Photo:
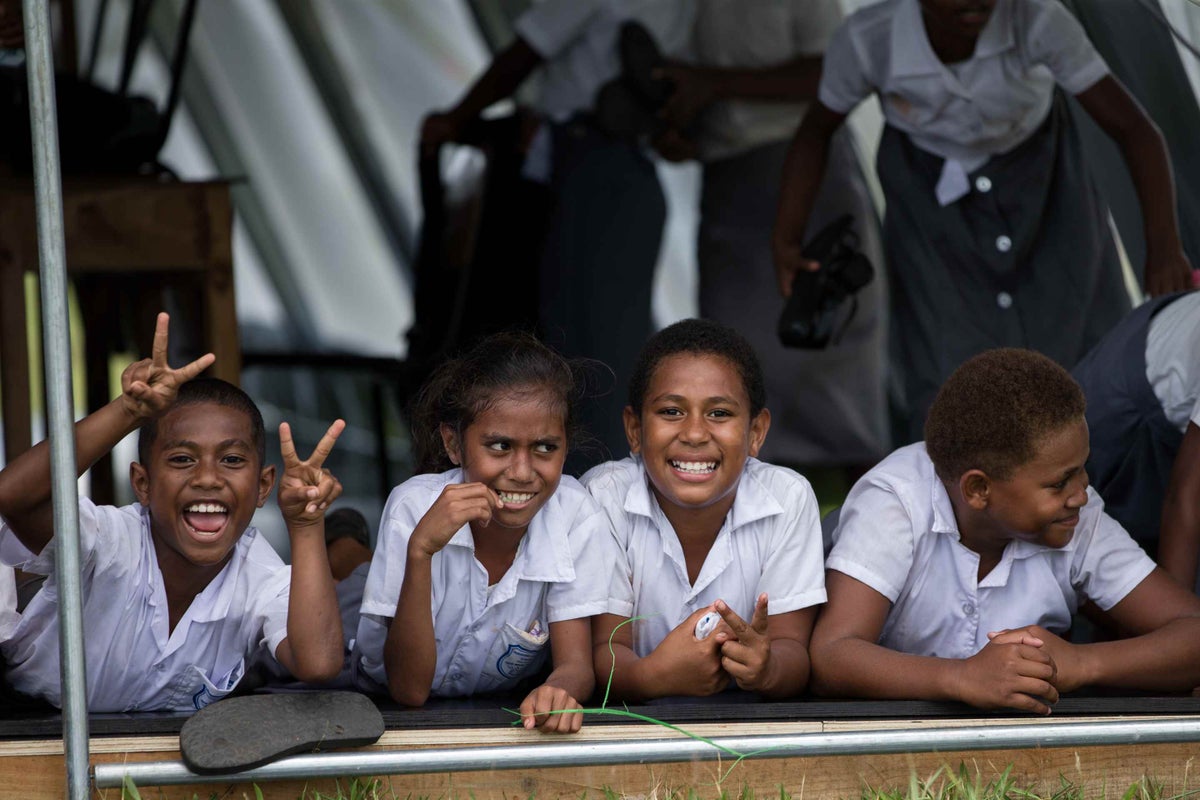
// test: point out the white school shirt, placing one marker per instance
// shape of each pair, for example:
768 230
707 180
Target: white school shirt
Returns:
770 542
1173 360
133 662
8 603
756 33
897 534
970 111
488 638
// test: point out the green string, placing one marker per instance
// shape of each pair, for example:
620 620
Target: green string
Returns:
604 710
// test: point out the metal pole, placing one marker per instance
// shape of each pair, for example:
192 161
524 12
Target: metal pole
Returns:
657 751
56 338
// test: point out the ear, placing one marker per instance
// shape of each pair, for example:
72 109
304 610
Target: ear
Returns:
139 479
633 429
451 443
975 487
758 431
266 480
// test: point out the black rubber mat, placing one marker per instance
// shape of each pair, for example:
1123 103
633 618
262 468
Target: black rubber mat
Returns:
44 722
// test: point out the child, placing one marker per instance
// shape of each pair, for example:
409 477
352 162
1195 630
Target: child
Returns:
496 554
958 562
703 526
1142 383
179 592
992 219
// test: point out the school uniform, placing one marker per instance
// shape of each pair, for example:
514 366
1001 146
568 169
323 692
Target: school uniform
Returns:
134 662
769 542
827 406
8 603
995 233
898 535
488 638
1142 383
607 207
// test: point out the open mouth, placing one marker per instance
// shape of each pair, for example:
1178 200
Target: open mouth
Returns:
694 467
515 498
206 520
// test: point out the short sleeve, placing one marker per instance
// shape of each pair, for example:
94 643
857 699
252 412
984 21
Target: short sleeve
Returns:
1058 41
551 26
844 83
1195 418
874 540
1108 563
270 608
8 603
793 574
386 574
110 538
814 22
598 573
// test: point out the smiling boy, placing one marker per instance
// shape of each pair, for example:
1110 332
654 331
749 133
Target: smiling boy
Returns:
704 526
179 592
959 562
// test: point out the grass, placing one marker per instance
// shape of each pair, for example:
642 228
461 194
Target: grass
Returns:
946 783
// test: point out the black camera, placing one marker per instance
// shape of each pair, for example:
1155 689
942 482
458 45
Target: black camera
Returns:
823 301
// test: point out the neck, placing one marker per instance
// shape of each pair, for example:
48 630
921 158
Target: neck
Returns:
183 580
978 533
497 541
696 525
948 45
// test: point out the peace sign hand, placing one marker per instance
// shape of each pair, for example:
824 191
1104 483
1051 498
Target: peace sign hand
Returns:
149 386
746 653
306 488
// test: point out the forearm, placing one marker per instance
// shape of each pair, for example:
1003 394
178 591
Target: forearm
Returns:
1149 164
624 676
802 174
857 668
787 671
507 71
25 483
314 629
410 653
576 678
1167 659
793 81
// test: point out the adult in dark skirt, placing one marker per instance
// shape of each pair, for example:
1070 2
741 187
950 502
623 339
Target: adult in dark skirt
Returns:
994 232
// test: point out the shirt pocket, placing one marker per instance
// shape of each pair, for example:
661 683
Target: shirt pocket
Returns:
517 653
200 690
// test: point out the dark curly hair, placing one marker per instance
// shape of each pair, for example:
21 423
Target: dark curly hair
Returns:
699 337
991 413
210 390
496 367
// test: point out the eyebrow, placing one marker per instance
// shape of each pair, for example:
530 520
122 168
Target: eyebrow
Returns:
715 399
195 446
504 437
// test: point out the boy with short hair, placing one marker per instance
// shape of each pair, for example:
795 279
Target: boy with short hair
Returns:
958 562
179 592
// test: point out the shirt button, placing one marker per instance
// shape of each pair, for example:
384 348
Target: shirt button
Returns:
160 667
1004 300
457 676
983 183
1003 244
969 609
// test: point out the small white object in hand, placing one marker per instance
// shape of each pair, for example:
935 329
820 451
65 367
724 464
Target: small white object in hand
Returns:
707 624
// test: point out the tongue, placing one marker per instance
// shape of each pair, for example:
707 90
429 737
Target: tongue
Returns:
205 523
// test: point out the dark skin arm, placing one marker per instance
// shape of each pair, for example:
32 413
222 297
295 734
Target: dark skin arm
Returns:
802 172
1122 118
1011 671
1179 534
507 71
768 655
148 389
1163 653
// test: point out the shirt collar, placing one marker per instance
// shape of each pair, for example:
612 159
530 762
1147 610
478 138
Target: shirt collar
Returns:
913 55
752 502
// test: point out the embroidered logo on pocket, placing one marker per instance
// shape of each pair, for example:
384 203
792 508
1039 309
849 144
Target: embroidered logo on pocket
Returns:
516 660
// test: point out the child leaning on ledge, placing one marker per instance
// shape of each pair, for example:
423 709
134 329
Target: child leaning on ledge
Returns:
958 562
179 592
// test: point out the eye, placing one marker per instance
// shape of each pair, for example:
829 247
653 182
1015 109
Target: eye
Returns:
545 448
670 412
720 413
234 459
1058 487
179 459
498 447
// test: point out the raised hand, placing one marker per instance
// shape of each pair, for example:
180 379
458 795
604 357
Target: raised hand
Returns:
550 698
149 386
458 504
1013 670
745 648
307 488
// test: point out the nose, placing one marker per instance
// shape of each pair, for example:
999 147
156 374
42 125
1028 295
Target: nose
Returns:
206 473
520 469
694 431
1079 497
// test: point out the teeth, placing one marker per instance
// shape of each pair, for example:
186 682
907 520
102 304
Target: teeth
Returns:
697 467
206 508
515 497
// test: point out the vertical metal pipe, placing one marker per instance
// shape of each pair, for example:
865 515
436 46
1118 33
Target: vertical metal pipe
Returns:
57 346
